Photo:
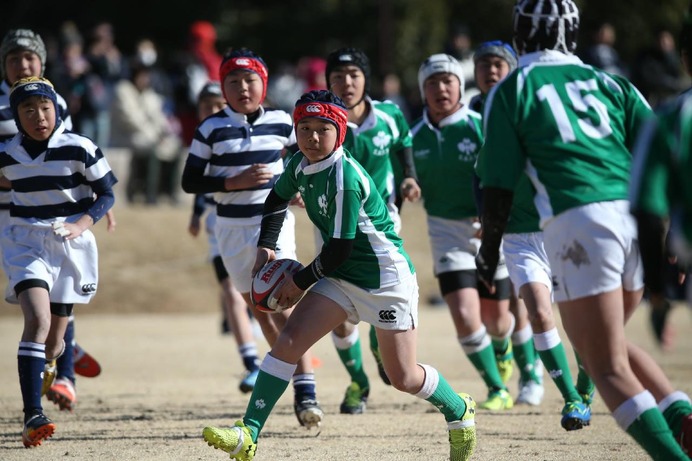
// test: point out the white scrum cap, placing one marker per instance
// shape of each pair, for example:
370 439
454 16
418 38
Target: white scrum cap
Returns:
436 64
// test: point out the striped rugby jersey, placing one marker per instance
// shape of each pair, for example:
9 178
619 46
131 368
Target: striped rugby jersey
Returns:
59 183
8 127
225 144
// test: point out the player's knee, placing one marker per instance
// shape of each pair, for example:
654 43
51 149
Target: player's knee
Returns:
404 379
543 317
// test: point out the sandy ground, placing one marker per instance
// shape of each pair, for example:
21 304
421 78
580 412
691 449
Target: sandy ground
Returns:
167 376
168 372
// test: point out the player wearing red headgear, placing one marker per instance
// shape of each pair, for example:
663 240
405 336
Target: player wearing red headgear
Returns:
361 273
236 154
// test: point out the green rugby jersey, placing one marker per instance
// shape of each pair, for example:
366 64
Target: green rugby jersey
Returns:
445 157
342 202
568 125
523 217
383 133
661 182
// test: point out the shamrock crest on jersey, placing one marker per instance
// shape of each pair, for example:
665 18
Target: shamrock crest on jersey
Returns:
467 149
381 141
322 202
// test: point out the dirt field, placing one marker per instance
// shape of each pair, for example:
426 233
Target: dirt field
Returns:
168 372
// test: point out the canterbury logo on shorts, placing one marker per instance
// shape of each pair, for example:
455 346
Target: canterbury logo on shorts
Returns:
88 288
387 316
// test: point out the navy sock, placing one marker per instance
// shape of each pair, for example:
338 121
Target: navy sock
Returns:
66 360
304 387
31 360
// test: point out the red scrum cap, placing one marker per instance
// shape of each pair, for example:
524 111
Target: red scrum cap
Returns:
325 105
244 59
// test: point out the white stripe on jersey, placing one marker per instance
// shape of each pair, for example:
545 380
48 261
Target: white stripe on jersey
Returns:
371 120
388 120
540 200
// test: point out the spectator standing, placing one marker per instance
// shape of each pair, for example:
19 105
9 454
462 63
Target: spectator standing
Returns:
107 68
602 52
140 124
658 73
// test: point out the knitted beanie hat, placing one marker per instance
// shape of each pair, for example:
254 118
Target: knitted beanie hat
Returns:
22 39
497 48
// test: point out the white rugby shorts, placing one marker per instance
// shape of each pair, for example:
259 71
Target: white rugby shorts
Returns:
69 267
213 243
390 308
455 245
526 260
593 249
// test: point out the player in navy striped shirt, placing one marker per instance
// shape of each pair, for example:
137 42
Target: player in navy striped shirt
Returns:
237 154
23 54
61 185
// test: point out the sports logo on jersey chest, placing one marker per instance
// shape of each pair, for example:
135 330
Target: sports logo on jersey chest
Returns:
322 202
381 142
467 149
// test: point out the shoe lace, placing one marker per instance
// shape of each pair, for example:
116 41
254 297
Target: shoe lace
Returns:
306 404
587 397
457 437
573 407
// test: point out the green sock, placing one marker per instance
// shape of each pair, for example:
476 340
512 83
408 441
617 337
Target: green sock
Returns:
674 414
500 346
484 361
352 358
651 431
268 389
447 401
555 362
585 385
374 344
525 356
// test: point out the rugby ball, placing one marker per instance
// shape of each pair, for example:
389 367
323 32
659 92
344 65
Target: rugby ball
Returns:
267 279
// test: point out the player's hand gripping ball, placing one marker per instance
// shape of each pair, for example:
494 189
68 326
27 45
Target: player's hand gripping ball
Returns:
266 281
